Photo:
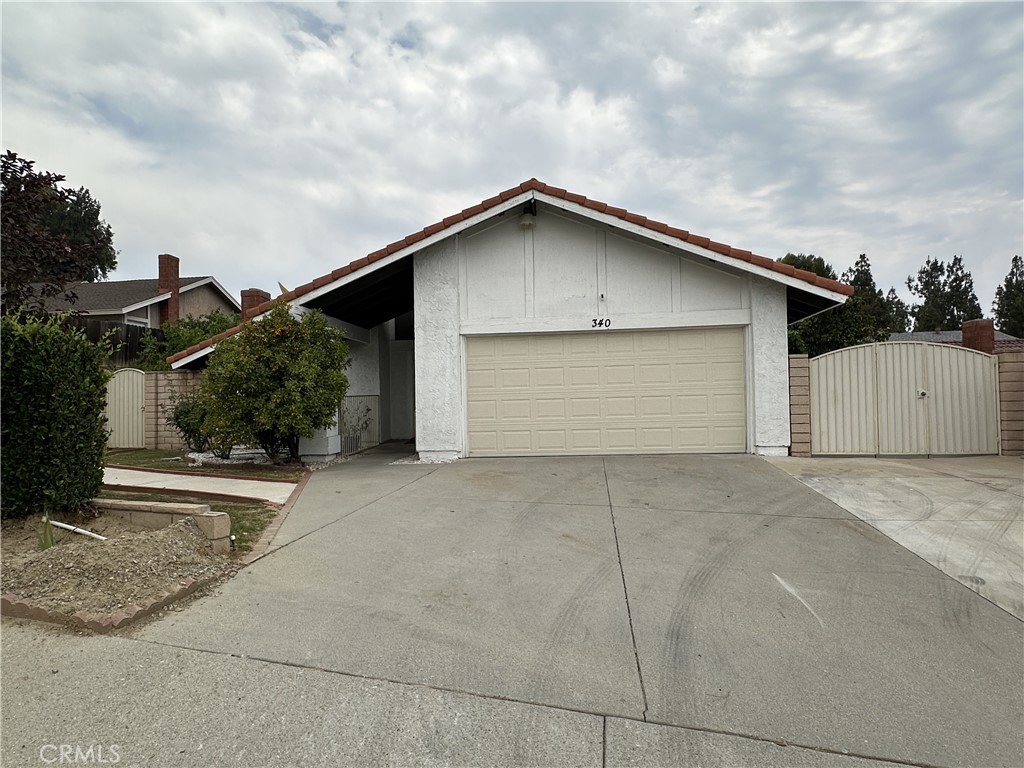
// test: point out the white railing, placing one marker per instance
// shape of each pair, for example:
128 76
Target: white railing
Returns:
358 423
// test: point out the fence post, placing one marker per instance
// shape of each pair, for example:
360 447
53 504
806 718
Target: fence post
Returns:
799 405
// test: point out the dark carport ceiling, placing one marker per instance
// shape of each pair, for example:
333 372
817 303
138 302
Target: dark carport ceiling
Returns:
372 298
801 304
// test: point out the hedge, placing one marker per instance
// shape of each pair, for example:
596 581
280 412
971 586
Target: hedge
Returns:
53 430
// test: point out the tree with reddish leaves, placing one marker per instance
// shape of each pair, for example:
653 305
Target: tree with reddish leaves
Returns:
50 236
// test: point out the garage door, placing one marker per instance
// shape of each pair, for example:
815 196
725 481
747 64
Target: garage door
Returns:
677 391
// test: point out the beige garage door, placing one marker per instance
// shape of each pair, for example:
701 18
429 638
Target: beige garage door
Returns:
677 391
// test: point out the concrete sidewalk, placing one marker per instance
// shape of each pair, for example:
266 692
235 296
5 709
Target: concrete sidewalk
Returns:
268 490
963 515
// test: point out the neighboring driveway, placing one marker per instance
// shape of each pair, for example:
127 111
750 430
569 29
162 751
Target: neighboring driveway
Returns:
963 515
685 610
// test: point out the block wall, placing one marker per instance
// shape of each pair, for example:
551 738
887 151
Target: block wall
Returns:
160 387
800 405
1011 402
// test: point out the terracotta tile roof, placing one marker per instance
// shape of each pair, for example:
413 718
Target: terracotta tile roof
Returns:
528 186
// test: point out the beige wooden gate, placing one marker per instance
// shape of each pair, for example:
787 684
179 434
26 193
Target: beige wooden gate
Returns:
126 415
904 399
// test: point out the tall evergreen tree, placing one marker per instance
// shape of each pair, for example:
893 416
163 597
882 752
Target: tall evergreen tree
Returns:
1008 308
867 316
947 296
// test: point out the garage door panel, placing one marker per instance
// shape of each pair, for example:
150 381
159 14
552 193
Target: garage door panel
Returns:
621 439
654 406
619 375
483 410
614 392
512 410
549 377
550 408
551 440
691 373
619 407
585 408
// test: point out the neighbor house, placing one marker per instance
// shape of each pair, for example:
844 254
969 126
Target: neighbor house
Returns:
993 341
148 303
540 322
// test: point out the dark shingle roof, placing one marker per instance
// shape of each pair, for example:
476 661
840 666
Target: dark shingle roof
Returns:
113 295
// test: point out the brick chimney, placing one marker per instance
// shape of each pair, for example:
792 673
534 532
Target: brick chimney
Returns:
169 281
252 298
980 335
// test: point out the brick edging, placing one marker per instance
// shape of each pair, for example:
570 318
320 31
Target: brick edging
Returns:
23 608
260 547
192 473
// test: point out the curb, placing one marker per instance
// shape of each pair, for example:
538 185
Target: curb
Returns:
187 473
23 608
263 545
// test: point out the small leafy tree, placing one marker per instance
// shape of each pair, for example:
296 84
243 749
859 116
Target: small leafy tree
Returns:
1008 308
53 429
947 296
276 380
153 352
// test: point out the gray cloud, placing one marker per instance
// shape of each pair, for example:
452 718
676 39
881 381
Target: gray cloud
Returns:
266 143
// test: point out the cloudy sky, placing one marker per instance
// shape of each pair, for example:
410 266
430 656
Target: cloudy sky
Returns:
272 143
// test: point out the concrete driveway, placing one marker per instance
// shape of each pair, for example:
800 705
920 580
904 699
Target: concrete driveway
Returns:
584 611
963 515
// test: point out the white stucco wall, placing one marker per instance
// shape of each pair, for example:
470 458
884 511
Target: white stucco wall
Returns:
558 275
439 399
768 383
364 365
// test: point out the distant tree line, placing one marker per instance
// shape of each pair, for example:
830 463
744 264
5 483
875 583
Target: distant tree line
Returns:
946 294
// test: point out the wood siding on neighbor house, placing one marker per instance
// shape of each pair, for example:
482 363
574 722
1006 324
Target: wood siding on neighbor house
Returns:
161 386
203 300
1011 402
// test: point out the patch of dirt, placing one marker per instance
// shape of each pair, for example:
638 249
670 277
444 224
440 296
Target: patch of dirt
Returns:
132 567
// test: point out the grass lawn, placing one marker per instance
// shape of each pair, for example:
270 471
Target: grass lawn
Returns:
248 521
177 461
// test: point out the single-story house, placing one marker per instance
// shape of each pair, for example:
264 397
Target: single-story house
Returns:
540 322
148 303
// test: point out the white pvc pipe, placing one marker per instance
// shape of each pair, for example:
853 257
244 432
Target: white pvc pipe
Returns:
82 531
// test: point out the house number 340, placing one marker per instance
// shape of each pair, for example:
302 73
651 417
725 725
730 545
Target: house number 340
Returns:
601 322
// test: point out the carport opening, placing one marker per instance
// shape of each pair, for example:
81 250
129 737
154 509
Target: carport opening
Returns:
377 313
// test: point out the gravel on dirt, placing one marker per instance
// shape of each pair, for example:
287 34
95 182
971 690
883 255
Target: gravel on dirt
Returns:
132 567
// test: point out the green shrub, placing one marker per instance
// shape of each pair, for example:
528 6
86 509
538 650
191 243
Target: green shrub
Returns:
187 416
181 335
276 380
53 429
